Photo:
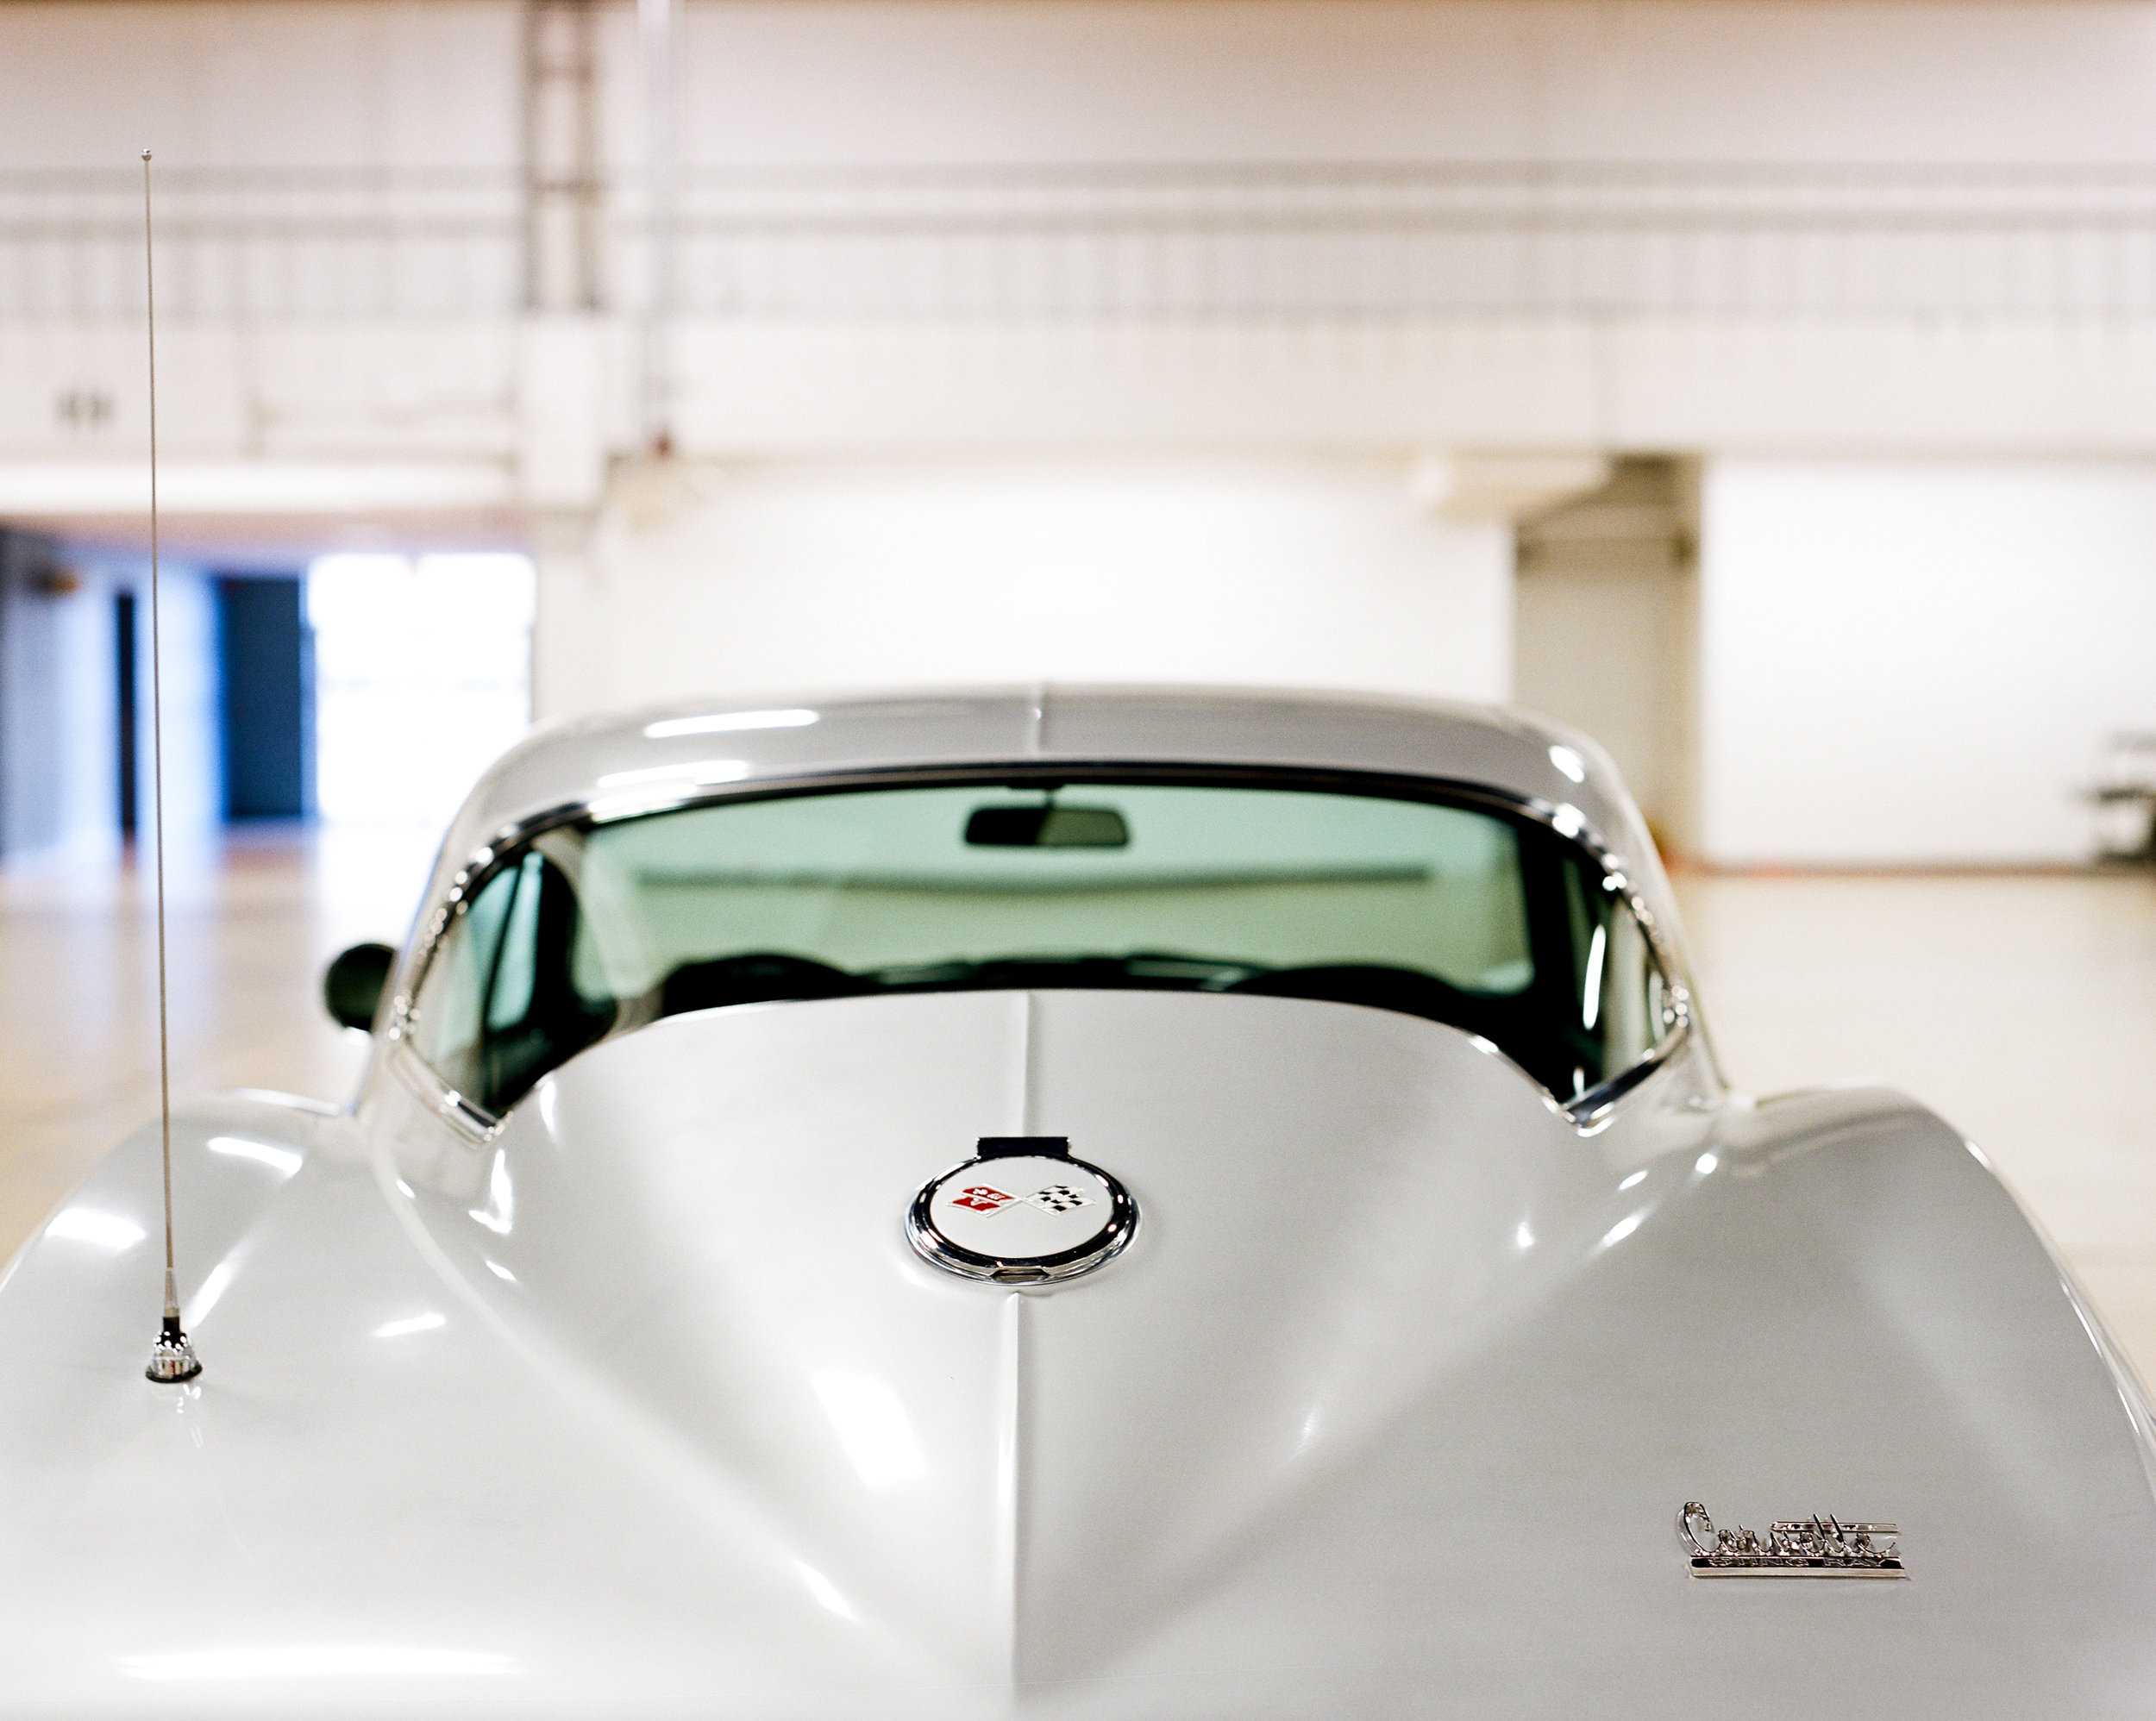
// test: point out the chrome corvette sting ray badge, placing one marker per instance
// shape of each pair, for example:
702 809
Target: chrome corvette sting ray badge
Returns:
1022 1211
1790 1548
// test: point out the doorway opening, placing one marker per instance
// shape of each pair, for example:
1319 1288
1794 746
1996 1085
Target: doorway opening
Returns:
265 697
123 682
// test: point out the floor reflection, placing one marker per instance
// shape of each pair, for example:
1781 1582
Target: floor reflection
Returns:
252 922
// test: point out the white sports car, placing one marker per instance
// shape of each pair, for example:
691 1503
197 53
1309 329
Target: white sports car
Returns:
1083 1204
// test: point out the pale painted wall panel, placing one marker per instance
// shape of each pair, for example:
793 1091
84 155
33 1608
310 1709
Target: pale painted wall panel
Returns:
806 576
1913 662
265 83
430 82
1100 80
1846 82
841 387
1273 80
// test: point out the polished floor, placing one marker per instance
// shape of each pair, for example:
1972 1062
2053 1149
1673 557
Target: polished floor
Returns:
2023 1008
251 923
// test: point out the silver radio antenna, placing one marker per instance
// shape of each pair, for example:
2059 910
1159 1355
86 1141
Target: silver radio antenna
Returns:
172 1358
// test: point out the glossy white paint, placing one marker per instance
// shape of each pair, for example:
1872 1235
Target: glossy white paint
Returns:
645 1407
677 747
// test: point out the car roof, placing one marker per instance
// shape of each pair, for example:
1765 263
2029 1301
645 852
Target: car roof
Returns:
653 755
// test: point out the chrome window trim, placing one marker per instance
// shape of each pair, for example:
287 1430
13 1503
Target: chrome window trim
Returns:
474 1123
1585 1110
1582 1110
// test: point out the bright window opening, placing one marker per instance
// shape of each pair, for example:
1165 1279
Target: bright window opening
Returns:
422 678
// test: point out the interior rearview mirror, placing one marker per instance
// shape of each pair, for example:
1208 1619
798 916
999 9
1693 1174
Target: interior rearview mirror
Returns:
353 986
1048 827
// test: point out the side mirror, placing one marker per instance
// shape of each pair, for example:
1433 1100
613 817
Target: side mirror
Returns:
353 986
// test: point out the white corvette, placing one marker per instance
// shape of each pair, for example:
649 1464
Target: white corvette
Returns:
1091 1205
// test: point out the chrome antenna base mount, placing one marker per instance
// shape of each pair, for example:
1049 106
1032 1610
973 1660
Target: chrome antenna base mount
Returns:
172 1359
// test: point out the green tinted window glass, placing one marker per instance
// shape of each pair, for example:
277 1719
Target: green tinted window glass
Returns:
1465 915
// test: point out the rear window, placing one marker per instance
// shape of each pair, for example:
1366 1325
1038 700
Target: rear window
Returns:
1462 914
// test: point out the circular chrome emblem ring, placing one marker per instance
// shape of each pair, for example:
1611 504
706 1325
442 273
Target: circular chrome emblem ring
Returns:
1022 1211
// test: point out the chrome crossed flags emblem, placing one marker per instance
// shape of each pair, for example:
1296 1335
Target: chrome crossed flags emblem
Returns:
1073 1215
1056 1197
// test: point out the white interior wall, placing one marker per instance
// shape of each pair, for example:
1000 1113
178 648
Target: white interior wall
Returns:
815 577
284 83
1302 80
372 319
1905 663
808 573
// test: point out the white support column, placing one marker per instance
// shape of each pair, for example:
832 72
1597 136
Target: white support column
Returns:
561 413
572 667
563 187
